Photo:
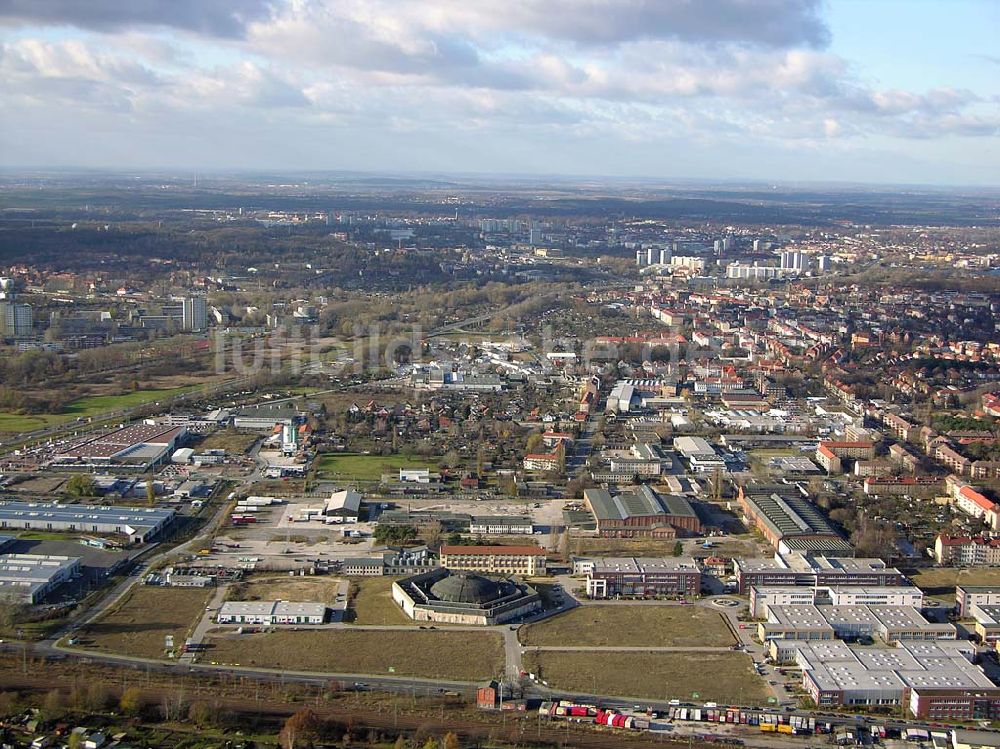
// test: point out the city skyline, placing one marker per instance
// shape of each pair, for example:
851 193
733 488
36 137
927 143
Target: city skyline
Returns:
724 90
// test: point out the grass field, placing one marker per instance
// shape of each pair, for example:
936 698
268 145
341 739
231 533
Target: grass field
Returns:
631 626
940 582
354 467
726 678
17 423
373 604
284 588
137 626
445 655
86 407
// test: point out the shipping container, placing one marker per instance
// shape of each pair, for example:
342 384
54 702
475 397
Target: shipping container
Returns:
767 727
784 728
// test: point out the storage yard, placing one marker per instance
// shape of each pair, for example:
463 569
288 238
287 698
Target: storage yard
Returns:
138 625
437 655
631 626
663 675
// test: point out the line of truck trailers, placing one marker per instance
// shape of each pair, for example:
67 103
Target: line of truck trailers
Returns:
649 720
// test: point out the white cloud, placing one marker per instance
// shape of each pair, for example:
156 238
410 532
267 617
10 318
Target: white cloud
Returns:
715 73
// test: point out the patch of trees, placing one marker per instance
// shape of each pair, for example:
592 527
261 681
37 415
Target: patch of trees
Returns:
395 534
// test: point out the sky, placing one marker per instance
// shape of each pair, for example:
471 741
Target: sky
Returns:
882 91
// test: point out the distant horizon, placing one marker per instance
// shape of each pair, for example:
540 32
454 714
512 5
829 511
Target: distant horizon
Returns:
180 173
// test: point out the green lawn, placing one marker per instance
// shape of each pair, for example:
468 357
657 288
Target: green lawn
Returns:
365 467
89 406
16 423
98 404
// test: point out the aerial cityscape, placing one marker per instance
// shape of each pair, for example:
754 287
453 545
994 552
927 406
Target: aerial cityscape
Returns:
551 374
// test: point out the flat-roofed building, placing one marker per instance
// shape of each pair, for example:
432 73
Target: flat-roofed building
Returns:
901 595
933 680
967 596
135 447
506 525
269 613
912 486
641 512
963 738
888 595
699 453
610 577
797 569
30 577
891 624
987 620
783 515
265 417
526 561
761 597
137 523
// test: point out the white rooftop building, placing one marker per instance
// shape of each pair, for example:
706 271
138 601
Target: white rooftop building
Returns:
268 613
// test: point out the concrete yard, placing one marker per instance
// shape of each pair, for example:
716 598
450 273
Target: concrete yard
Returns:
631 626
726 678
461 655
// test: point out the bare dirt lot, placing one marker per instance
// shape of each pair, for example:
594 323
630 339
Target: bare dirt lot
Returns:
443 655
631 626
727 678
138 625
230 440
321 589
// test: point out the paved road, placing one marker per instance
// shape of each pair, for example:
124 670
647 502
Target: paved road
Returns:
512 656
626 649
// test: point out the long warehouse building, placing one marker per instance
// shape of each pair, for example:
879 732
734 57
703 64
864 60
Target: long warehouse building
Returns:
789 521
139 524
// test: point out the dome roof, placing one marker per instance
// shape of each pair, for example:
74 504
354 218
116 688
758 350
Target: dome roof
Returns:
466 587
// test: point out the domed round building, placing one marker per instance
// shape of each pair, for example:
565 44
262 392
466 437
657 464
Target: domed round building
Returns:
452 597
